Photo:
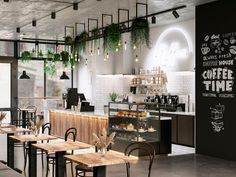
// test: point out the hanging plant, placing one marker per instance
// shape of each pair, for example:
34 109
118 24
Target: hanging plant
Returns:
40 54
68 40
50 53
140 32
25 56
112 37
56 57
50 68
65 57
95 33
80 42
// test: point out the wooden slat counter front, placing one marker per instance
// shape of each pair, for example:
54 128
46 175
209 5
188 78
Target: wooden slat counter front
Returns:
86 123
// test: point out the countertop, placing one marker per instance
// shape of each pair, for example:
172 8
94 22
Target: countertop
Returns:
178 113
96 114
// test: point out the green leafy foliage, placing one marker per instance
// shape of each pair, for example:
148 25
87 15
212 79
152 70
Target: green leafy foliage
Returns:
80 42
140 32
65 57
112 37
113 96
50 68
25 56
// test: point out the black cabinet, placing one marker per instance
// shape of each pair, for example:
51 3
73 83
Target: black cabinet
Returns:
185 130
182 129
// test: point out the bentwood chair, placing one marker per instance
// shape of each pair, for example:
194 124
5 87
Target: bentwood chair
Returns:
51 158
46 129
146 148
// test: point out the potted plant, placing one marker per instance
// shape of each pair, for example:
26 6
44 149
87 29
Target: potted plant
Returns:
113 96
140 32
25 56
65 57
80 41
112 37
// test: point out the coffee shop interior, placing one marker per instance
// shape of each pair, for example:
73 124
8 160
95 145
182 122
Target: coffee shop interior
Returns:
117 88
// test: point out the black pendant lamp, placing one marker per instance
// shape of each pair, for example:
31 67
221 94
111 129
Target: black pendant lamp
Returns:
24 75
64 76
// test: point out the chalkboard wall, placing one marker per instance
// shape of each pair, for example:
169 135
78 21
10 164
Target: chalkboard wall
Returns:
215 73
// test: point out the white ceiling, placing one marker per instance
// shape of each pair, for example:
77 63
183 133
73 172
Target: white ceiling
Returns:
20 13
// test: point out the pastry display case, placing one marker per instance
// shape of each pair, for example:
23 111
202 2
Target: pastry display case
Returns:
132 122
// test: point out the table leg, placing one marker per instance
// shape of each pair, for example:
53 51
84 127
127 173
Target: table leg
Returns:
10 151
32 154
23 119
99 171
60 164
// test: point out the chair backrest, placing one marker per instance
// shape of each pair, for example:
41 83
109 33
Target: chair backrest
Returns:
46 128
71 131
145 147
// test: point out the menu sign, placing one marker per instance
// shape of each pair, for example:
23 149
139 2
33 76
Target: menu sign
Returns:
218 52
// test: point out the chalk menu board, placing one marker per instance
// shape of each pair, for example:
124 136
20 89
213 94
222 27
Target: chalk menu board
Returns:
215 75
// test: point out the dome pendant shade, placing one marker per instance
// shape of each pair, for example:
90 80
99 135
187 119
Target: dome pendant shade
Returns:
24 75
64 76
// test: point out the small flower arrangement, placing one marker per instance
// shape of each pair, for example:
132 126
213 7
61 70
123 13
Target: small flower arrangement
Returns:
36 126
103 141
2 116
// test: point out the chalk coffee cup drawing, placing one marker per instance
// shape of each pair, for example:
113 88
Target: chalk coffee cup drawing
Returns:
217 118
205 50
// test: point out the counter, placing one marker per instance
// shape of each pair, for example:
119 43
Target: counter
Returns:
86 123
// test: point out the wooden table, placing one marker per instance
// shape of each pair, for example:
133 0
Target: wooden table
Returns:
60 149
6 126
99 161
32 153
10 144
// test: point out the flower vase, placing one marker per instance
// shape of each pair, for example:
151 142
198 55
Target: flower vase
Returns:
103 151
36 132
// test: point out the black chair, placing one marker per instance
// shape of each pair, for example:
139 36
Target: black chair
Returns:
82 170
51 158
46 128
146 148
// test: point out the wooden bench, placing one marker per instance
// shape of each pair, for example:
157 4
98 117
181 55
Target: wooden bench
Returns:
5 171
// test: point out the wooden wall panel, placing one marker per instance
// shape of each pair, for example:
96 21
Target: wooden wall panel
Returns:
85 124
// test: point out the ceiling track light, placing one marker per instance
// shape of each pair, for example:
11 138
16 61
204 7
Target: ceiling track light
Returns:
153 20
53 15
5 0
75 6
18 29
34 23
175 13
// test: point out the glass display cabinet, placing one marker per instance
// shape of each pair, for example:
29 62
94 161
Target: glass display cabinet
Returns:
132 122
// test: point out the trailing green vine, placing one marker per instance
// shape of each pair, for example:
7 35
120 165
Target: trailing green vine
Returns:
25 56
112 38
80 42
140 32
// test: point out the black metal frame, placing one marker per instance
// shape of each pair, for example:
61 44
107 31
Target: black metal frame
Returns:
106 15
125 10
91 19
143 4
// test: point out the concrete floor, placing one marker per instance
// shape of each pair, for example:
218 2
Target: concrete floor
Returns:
181 163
